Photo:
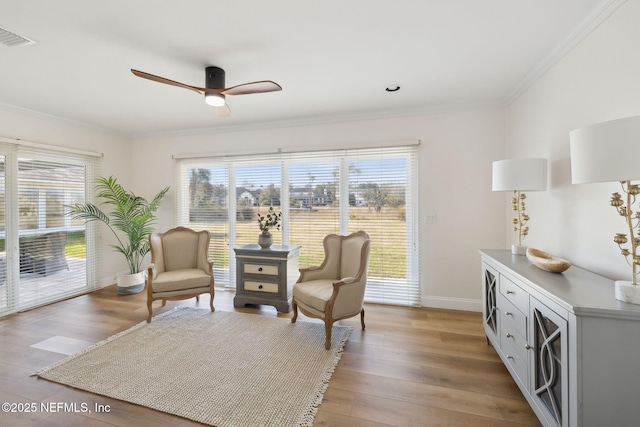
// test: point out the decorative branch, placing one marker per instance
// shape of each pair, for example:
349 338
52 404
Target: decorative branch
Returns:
631 256
271 220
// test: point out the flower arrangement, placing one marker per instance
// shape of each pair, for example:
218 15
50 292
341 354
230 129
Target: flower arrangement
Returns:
271 220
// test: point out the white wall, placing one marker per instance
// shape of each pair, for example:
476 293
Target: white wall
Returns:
25 126
455 183
597 81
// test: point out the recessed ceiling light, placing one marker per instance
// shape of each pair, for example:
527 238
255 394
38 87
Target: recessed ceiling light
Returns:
393 88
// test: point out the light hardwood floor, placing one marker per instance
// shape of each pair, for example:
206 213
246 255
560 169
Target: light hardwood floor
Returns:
411 367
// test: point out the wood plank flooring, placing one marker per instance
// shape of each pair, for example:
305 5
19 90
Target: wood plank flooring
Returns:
411 367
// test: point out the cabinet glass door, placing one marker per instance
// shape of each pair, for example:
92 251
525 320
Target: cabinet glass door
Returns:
549 363
490 295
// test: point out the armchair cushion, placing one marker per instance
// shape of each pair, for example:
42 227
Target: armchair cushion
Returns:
188 278
314 294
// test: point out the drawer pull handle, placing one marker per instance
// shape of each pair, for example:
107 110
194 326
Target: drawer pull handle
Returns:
509 357
508 313
508 335
528 347
259 286
510 292
259 268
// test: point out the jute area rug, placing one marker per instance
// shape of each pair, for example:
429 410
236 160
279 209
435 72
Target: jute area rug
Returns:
224 369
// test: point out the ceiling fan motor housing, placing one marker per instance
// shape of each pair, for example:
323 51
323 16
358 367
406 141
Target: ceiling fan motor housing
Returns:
215 78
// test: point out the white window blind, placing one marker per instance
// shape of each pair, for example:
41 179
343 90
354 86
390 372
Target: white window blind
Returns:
44 255
318 193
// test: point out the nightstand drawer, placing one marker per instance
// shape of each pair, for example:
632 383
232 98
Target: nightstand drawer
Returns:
261 286
271 270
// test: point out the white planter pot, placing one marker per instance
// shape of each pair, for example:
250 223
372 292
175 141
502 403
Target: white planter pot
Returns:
130 283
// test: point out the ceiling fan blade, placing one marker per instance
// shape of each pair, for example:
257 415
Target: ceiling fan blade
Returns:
158 79
223 111
253 87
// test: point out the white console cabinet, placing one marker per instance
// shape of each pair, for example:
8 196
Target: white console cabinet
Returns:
572 348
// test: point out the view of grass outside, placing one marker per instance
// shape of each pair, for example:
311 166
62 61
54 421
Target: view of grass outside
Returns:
387 230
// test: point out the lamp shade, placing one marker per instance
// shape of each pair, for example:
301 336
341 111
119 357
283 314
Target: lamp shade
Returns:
606 152
520 174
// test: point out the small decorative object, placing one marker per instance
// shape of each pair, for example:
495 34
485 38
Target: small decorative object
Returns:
608 152
266 223
546 261
519 175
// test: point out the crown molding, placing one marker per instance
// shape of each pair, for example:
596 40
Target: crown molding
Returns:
597 16
323 120
61 120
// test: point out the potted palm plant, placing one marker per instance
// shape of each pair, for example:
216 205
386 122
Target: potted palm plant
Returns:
130 215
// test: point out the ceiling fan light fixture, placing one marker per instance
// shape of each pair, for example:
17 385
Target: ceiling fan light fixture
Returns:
214 99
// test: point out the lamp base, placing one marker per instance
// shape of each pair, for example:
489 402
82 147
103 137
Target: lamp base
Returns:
626 291
518 250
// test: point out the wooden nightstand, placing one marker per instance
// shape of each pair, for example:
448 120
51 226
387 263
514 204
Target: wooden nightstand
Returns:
266 276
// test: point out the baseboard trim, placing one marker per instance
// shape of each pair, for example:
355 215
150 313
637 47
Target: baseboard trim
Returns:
452 303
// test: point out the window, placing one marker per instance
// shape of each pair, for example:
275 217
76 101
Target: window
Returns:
44 256
318 193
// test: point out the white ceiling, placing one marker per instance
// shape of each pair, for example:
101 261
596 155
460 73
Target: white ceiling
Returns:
333 58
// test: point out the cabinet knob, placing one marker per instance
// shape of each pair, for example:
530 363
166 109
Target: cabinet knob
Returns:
259 286
259 268
508 335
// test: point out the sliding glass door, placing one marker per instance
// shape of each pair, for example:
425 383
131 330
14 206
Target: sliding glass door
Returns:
5 293
44 255
318 193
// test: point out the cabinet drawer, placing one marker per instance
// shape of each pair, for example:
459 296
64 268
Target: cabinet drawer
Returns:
516 295
511 341
516 361
271 270
260 286
513 320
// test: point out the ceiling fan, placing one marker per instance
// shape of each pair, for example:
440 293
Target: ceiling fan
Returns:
215 91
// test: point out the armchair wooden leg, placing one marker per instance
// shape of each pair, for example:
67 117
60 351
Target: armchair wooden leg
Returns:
362 318
164 302
295 311
328 325
149 302
211 302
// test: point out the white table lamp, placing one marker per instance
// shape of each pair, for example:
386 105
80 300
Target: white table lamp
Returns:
519 175
608 152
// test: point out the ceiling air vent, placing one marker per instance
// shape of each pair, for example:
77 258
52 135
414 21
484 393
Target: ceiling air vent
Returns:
10 39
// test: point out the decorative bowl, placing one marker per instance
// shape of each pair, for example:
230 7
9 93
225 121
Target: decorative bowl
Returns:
546 261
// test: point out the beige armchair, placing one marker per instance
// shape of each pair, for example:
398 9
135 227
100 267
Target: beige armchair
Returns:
180 267
334 290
